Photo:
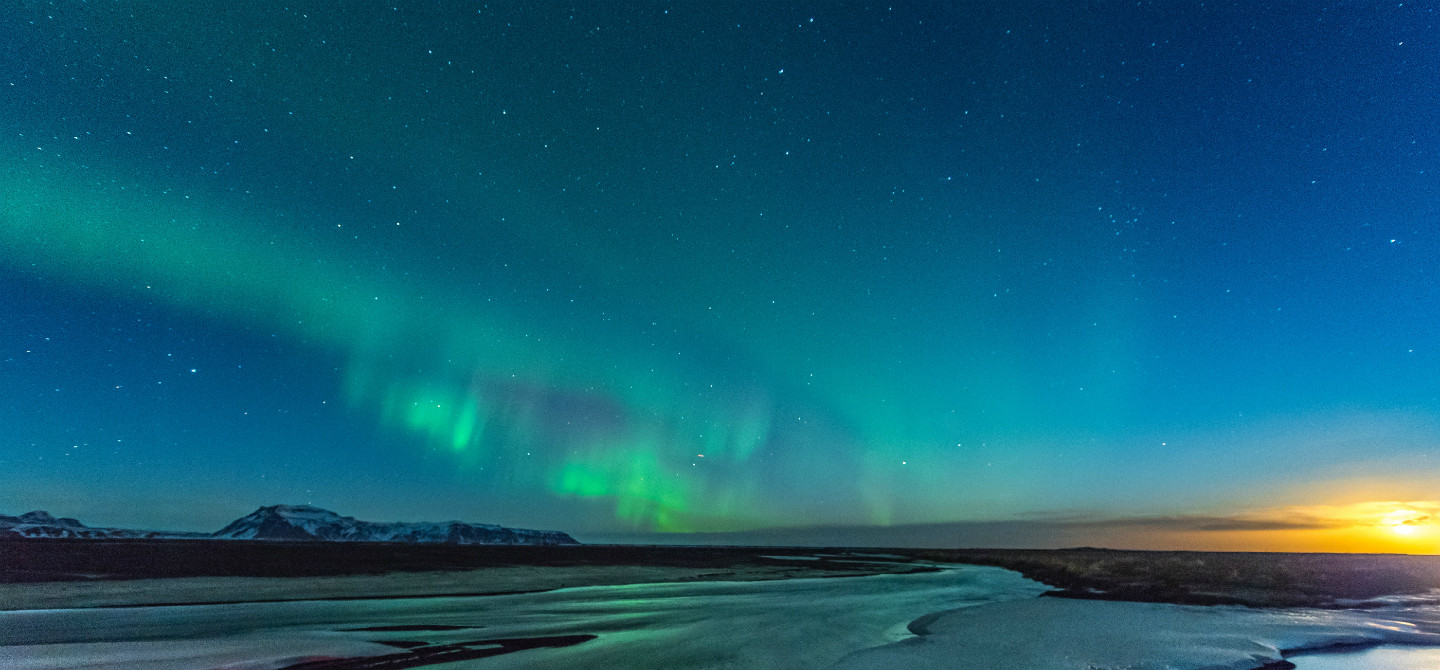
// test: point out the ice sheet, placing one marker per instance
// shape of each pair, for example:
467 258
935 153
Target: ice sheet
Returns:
792 624
980 618
1062 634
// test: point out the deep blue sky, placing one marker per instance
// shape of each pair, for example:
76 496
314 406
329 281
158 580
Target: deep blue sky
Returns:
880 264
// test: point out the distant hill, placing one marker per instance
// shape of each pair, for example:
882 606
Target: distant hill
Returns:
304 522
41 524
292 523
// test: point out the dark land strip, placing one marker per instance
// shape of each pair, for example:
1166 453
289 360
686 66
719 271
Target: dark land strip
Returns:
64 559
1255 579
1183 577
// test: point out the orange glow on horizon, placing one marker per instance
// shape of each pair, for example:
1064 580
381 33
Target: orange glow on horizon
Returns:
1389 527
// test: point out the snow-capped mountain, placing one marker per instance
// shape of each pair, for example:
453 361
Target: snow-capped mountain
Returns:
41 524
295 523
304 522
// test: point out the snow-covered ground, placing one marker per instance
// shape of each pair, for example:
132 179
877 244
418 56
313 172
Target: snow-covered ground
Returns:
987 618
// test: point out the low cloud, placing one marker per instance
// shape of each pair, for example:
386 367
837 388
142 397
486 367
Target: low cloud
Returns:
1040 532
1318 517
1227 523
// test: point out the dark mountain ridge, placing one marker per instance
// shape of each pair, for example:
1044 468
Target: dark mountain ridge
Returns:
295 523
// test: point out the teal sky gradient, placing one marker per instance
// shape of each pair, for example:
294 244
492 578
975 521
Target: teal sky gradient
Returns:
693 268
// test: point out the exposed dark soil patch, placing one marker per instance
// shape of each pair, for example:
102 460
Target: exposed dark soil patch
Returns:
422 654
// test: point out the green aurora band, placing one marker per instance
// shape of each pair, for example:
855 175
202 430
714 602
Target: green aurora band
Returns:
480 385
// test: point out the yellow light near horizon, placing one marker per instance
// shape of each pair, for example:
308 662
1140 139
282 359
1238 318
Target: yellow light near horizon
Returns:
1403 521
1379 527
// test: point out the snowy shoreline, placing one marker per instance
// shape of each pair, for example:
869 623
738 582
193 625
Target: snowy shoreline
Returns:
484 582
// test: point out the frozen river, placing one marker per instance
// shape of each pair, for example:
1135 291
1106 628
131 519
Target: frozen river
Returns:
792 624
978 618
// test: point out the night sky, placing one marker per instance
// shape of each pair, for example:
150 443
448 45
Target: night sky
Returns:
1162 273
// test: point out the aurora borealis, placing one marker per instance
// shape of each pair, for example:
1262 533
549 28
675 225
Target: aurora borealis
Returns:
705 268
